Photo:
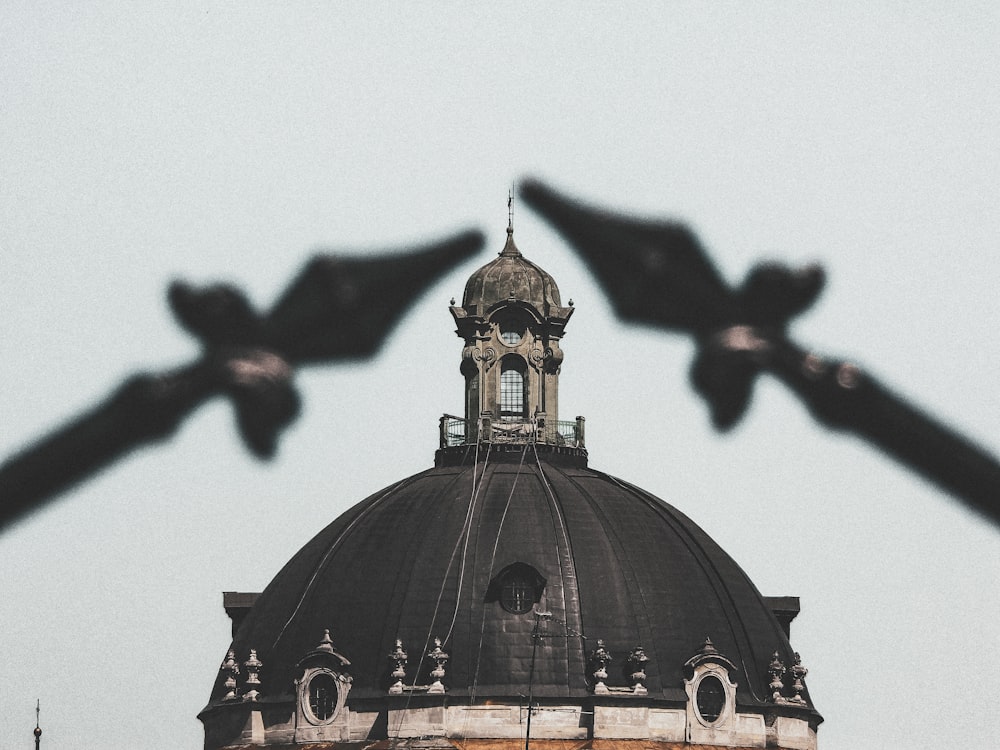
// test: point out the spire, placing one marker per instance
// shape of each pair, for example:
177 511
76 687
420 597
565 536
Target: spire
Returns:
38 729
510 249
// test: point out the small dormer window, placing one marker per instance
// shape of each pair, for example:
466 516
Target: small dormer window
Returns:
321 693
711 698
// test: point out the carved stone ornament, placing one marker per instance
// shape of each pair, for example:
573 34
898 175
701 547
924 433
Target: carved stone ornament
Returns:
230 668
440 658
798 673
636 662
776 671
252 665
553 358
786 682
600 657
489 357
471 354
397 659
537 358
325 643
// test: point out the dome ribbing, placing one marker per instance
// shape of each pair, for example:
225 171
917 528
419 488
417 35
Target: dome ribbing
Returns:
510 276
619 564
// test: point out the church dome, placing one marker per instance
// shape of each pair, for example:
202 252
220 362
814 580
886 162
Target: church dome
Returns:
428 557
510 276
511 575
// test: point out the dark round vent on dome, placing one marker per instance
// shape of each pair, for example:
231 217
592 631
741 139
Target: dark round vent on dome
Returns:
517 588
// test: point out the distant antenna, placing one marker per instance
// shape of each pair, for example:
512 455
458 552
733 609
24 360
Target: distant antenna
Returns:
38 729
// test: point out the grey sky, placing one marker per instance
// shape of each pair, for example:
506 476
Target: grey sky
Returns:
221 142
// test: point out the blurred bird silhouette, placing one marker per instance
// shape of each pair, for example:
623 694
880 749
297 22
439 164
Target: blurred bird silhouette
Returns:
656 272
338 308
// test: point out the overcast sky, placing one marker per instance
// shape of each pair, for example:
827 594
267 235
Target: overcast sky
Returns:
231 141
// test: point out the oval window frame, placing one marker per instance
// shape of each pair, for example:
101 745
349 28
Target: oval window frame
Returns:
307 697
512 326
721 695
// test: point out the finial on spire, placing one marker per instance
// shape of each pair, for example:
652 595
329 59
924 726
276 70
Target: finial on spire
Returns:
38 728
510 211
510 249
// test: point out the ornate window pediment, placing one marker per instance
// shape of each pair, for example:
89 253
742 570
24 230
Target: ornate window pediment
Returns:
321 693
711 704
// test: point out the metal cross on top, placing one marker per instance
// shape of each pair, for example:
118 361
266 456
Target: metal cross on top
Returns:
656 272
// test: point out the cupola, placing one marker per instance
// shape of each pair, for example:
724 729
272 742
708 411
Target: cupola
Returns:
511 320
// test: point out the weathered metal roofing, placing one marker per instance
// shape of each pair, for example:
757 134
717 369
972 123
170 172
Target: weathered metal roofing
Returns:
414 561
510 275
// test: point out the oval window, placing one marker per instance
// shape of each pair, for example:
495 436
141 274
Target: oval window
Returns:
323 696
511 332
711 698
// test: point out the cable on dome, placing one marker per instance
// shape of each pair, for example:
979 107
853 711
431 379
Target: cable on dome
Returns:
489 577
333 547
715 581
562 526
467 532
464 533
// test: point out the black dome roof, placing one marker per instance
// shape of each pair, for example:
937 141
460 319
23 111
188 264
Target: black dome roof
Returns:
415 561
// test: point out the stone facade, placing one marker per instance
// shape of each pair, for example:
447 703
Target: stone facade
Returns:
437 722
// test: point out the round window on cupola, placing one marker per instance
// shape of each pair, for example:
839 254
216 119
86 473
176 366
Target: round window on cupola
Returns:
511 331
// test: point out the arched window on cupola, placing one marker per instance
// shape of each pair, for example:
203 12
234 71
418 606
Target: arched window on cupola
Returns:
512 330
513 388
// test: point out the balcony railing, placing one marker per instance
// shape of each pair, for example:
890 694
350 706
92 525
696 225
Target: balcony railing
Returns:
458 431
